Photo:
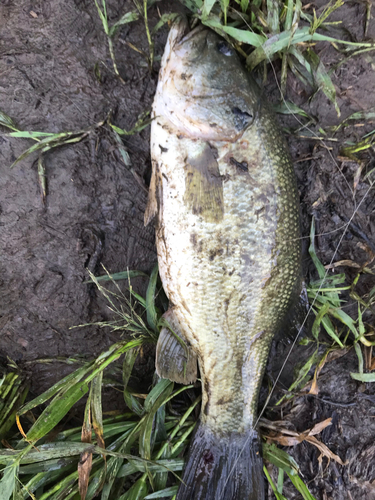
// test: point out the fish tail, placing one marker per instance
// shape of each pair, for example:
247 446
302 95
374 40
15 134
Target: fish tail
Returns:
218 467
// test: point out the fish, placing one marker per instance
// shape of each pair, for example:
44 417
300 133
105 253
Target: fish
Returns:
223 198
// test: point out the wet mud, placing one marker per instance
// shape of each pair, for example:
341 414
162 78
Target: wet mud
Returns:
56 75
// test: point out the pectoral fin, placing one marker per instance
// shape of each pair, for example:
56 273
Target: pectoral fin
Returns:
204 185
175 359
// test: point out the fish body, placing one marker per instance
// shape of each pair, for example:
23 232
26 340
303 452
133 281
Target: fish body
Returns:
225 204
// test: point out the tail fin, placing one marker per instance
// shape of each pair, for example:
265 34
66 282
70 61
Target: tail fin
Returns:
223 468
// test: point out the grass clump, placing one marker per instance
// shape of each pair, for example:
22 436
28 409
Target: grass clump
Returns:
134 455
263 31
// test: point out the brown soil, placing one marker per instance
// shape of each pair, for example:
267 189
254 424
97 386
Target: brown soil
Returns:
48 54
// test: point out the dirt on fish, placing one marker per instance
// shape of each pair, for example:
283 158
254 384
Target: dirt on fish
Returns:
56 75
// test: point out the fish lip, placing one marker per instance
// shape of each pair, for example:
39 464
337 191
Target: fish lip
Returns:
192 33
180 31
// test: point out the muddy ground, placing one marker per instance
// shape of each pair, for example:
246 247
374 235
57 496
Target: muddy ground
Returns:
56 75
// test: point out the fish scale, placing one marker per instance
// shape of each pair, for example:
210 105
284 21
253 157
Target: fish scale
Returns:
224 199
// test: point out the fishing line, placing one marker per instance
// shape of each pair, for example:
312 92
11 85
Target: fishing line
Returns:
345 228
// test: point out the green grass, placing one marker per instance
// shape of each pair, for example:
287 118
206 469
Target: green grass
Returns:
143 445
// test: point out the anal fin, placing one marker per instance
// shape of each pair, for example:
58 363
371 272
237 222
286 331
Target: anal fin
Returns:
175 358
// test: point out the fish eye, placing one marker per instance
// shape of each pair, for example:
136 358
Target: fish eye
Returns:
224 48
241 118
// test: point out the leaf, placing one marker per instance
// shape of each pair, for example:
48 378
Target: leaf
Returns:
207 7
280 458
319 266
45 452
324 449
318 319
278 495
317 429
56 410
131 401
138 491
96 408
346 320
157 397
42 178
322 78
138 127
123 152
103 16
363 377
163 386
84 469
301 487
176 464
165 18
239 35
304 370
61 385
48 142
13 403
7 482
166 493
26 134
152 317
124 275
6 121
47 465
289 15
129 17
273 16
289 108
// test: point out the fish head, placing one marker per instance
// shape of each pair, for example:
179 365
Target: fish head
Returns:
203 89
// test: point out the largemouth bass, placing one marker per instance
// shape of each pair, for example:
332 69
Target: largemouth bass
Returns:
224 201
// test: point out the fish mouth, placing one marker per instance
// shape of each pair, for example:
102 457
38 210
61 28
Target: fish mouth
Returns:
192 33
180 31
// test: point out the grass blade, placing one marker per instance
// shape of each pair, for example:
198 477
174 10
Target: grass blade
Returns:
42 178
280 458
322 78
166 493
239 35
273 16
278 495
138 491
8 482
207 7
124 275
6 121
96 408
301 487
319 266
56 410
85 463
363 377
152 316
127 367
62 386
155 400
30 134
129 17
